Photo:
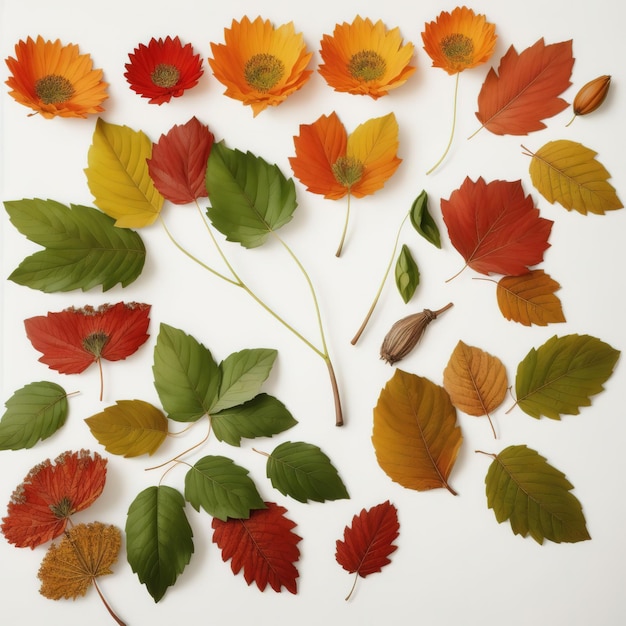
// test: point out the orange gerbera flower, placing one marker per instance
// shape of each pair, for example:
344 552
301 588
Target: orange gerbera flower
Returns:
365 58
54 79
259 64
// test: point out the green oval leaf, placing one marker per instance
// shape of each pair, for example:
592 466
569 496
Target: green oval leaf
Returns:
407 274
422 220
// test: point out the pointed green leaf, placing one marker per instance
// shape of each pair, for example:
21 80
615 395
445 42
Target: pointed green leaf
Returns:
159 539
34 412
302 471
560 376
186 377
422 220
263 416
535 497
407 274
249 197
83 248
221 488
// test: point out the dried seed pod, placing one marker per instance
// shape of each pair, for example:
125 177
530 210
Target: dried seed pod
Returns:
591 96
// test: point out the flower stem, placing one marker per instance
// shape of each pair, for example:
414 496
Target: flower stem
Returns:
345 228
443 156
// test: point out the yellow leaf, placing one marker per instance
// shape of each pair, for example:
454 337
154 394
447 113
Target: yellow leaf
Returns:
568 173
118 175
415 436
529 299
130 428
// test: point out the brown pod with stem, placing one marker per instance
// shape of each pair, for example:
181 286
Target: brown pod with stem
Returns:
591 96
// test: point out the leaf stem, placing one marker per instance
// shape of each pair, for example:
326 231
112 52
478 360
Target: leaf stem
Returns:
101 378
106 604
443 156
345 228
177 457
356 577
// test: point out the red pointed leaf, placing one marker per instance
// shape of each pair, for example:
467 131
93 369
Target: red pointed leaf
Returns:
495 227
263 545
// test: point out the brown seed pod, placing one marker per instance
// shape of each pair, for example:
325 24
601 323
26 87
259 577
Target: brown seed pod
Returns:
591 96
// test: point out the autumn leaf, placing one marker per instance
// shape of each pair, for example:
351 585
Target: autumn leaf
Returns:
368 542
495 227
264 546
51 493
415 435
526 88
568 173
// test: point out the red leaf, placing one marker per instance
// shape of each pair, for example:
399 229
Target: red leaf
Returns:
178 163
527 88
263 545
495 227
51 492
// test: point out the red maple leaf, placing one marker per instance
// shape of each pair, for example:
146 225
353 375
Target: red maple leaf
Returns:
41 506
368 542
495 227
178 163
263 545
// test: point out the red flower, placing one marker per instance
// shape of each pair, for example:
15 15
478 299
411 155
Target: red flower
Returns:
51 492
163 69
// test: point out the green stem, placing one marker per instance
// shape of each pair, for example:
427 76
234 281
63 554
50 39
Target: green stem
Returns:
345 228
443 156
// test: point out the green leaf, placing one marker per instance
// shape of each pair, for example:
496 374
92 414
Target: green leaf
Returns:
535 497
186 377
263 416
561 375
407 274
34 412
249 197
302 471
423 222
221 488
83 248
159 540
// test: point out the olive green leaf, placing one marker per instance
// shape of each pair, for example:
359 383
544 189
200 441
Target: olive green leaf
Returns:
407 274
422 220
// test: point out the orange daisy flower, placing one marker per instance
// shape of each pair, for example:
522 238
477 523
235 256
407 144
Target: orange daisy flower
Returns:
53 79
365 58
163 69
259 64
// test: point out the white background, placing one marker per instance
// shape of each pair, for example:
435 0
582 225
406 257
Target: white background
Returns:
454 564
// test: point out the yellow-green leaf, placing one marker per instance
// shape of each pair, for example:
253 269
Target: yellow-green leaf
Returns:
118 175
568 173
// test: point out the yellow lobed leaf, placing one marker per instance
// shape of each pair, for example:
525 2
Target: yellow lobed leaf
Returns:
530 299
118 178
567 172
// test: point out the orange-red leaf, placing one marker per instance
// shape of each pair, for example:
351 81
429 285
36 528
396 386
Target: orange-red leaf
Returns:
495 227
526 88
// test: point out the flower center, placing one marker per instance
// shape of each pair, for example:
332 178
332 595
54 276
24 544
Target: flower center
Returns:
62 509
95 343
164 75
458 48
263 71
367 65
54 89
347 171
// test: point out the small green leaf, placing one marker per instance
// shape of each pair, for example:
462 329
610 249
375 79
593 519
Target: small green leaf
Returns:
83 247
243 373
221 488
263 416
407 274
302 471
34 412
423 222
159 539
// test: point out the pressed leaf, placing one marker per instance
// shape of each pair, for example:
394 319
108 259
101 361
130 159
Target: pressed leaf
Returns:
263 416
118 176
530 299
526 88
407 274
302 471
222 488
83 248
264 546
422 220
33 413
561 375
535 497
415 435
159 540
249 197
130 428
568 173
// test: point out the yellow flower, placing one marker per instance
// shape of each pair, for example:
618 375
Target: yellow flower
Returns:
365 58
54 79
259 64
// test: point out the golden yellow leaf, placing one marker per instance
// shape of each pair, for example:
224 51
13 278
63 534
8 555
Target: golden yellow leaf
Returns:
568 173
415 436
